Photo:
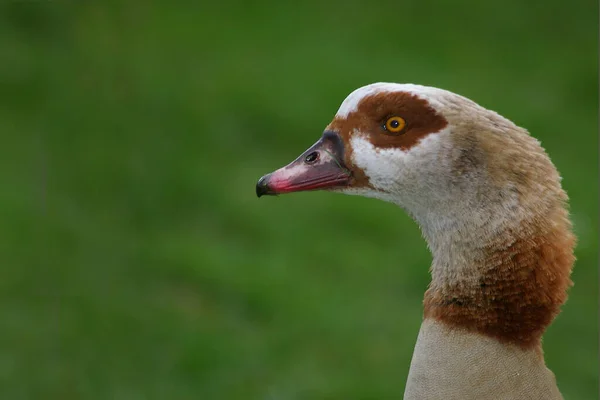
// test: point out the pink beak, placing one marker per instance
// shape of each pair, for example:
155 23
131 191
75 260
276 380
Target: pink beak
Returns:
319 167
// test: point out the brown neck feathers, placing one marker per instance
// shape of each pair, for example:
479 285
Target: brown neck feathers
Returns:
519 291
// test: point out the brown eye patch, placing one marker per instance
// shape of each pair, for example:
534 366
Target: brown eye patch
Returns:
374 111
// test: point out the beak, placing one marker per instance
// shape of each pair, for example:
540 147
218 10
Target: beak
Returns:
320 167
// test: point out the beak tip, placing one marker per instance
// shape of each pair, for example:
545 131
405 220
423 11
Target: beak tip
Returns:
262 187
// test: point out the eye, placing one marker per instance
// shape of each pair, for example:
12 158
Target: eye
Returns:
394 124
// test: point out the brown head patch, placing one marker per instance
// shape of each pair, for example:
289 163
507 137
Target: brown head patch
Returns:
371 115
521 292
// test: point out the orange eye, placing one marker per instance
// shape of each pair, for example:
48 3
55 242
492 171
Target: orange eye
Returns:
395 124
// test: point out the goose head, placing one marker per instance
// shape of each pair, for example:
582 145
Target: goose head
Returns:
483 191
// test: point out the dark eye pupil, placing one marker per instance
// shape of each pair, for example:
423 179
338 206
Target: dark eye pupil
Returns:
395 123
312 157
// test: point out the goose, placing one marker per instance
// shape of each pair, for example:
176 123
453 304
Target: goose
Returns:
490 206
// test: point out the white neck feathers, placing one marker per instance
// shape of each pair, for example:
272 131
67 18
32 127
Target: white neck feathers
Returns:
451 364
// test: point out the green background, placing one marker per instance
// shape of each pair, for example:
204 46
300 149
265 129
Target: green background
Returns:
136 261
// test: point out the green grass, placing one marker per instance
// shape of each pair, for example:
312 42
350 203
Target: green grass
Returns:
137 262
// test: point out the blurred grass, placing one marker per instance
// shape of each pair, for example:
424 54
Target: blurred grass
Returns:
137 262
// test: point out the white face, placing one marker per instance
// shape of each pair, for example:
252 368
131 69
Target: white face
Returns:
406 177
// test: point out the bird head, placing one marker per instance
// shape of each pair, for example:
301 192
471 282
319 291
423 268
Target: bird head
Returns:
443 158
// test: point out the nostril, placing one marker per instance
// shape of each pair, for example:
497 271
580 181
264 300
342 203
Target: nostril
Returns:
312 157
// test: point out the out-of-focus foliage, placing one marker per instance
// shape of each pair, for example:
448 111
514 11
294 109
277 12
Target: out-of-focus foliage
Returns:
137 262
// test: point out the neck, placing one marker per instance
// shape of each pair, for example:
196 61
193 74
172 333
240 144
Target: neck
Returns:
507 284
494 290
453 364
